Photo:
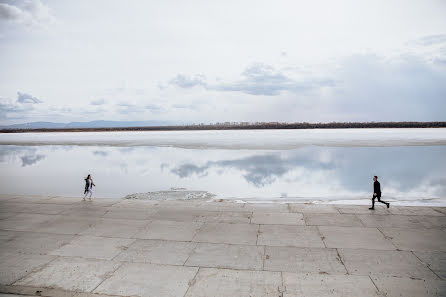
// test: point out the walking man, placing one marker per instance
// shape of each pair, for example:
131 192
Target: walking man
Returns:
377 193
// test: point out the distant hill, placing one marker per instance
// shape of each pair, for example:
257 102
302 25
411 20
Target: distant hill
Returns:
92 124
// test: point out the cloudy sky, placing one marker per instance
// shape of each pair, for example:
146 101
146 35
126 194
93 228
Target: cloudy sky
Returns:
209 61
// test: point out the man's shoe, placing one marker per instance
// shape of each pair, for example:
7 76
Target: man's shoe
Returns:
388 204
371 208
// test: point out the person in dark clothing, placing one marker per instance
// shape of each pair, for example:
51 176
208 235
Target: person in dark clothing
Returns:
377 193
89 184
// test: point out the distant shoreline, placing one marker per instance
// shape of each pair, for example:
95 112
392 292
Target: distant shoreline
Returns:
247 126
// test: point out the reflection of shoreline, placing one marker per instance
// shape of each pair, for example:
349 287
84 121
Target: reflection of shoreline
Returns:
234 140
241 126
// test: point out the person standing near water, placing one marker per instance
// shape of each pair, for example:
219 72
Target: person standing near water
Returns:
377 193
89 184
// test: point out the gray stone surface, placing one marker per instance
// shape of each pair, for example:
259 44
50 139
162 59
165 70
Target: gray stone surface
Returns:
157 252
407 287
313 208
86 210
35 243
303 260
433 221
305 285
417 239
277 218
391 221
141 279
93 247
73 274
364 209
62 224
227 256
125 213
14 266
115 228
110 247
227 233
286 235
388 263
169 230
235 283
266 207
6 235
332 219
355 237
436 261
229 217
416 211
184 214
24 222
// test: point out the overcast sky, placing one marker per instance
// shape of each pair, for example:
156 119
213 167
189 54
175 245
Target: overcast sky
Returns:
209 61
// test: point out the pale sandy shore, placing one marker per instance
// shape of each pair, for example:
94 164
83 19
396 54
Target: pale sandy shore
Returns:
55 246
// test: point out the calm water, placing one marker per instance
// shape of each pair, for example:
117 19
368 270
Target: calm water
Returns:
412 174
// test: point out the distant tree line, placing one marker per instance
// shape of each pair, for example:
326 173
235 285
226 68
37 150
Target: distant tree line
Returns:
246 126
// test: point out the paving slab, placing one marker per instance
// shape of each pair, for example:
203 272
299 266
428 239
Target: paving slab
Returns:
313 208
417 239
227 256
433 221
24 222
6 235
62 224
440 209
266 207
235 283
5 215
134 214
311 285
169 230
93 247
34 208
416 211
73 274
157 252
184 214
278 218
35 243
15 266
64 200
122 228
227 233
355 237
407 287
364 209
436 261
332 219
303 260
141 279
222 206
229 217
397 221
287 235
137 203
389 263
36 291
86 210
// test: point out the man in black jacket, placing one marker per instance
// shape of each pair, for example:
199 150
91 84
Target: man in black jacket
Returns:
377 193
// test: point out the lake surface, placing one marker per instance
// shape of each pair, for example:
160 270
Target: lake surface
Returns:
274 165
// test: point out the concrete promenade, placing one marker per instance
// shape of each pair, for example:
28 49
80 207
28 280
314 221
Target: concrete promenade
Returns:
54 246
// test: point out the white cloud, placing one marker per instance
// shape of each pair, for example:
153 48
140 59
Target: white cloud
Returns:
27 98
28 12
